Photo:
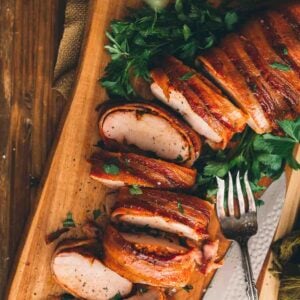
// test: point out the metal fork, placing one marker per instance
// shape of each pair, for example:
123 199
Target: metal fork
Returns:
242 228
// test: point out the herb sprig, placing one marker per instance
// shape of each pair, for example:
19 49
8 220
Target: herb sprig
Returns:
262 155
184 29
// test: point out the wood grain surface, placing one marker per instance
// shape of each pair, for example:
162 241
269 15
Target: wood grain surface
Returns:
67 186
29 111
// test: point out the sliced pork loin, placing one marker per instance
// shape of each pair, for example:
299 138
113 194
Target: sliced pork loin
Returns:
144 259
199 101
77 268
149 128
182 214
134 169
260 67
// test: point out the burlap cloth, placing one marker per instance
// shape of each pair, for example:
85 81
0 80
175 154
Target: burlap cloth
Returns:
70 46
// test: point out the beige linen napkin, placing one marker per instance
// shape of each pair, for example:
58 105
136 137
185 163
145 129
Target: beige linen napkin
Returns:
70 46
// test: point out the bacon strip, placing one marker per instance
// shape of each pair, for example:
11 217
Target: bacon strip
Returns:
139 170
178 213
260 67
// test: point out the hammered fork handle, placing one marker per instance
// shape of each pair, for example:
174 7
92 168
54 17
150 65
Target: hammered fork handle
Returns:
251 288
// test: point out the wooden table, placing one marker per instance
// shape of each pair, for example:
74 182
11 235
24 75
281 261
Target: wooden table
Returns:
29 111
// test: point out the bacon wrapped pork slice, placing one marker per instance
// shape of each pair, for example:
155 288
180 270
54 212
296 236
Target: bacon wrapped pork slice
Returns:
259 67
198 100
182 214
134 127
77 268
135 169
144 259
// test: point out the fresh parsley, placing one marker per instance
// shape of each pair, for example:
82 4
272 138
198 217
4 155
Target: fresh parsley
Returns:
184 28
279 66
69 222
180 207
96 213
262 155
117 296
135 190
111 169
187 76
188 288
259 202
285 51
143 289
66 297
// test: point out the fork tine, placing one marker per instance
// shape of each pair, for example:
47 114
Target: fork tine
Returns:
220 198
252 206
240 194
230 196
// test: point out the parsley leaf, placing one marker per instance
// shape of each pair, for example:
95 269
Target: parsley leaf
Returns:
231 18
187 76
111 169
69 222
117 296
188 287
279 66
96 213
66 297
259 202
180 207
135 190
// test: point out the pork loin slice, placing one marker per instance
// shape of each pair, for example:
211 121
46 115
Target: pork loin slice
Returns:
182 214
146 262
77 269
148 128
200 102
134 169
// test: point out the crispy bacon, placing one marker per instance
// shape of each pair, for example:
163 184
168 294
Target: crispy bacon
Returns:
140 127
178 213
145 261
260 67
140 170
199 101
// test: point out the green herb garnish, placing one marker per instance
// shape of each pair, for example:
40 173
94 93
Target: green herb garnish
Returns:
143 289
96 213
188 288
69 222
180 208
187 76
66 297
135 190
262 155
281 67
183 28
259 202
285 51
116 297
111 169
179 158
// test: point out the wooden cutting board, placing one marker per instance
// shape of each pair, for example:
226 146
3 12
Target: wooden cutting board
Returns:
67 186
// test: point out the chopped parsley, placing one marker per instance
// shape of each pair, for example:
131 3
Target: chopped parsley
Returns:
143 289
111 169
96 213
187 76
69 222
116 297
67 297
279 66
285 51
188 288
180 208
259 202
135 190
